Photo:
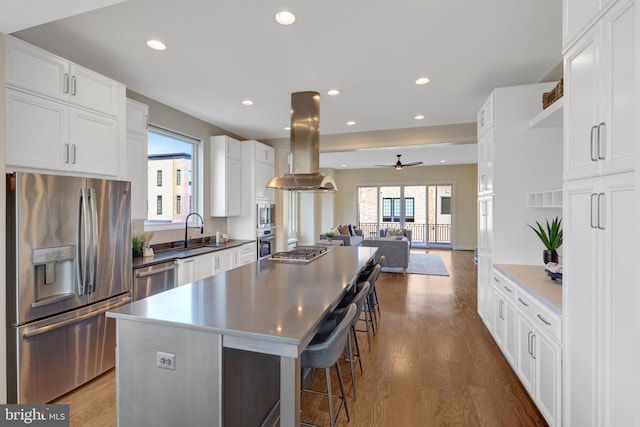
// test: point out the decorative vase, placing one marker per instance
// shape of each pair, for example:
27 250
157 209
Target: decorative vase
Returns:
550 256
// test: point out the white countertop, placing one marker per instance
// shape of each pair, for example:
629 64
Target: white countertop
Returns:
535 279
266 300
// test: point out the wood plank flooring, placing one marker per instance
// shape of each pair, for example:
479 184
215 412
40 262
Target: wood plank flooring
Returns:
432 363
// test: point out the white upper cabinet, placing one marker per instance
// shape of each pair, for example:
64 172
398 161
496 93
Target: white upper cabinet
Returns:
485 115
226 176
486 145
35 70
599 88
136 157
60 116
577 15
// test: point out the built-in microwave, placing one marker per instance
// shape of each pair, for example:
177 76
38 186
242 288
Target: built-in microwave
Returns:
265 216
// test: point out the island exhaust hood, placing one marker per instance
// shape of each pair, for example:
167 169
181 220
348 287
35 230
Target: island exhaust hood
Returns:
305 148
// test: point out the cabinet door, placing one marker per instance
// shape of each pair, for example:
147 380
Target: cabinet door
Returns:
581 296
263 174
234 188
616 145
223 260
91 90
264 154
581 88
485 115
36 70
186 271
498 320
94 142
485 259
509 345
548 361
137 173
205 265
524 360
485 162
576 15
37 132
137 117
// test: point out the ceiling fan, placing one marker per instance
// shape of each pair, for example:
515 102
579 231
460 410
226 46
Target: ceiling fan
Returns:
399 165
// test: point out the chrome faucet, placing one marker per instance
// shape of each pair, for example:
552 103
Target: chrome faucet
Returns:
186 227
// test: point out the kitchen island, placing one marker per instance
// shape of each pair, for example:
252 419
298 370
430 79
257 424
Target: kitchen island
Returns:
171 347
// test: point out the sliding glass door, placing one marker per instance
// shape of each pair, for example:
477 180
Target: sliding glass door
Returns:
423 209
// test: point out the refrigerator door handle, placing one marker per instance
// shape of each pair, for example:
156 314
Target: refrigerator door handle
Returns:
54 326
83 242
94 241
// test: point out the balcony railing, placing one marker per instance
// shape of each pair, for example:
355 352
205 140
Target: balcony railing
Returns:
428 233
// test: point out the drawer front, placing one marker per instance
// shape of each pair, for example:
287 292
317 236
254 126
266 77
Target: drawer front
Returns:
506 286
542 317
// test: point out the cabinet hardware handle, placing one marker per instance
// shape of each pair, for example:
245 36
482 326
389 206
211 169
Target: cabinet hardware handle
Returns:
482 118
529 342
65 83
523 302
533 346
73 85
507 288
146 121
591 144
602 138
502 309
592 223
74 153
600 210
495 279
546 322
66 153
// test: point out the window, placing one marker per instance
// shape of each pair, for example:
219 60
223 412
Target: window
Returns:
391 209
445 205
171 154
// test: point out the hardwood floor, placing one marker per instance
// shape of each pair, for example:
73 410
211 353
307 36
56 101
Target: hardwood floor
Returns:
432 363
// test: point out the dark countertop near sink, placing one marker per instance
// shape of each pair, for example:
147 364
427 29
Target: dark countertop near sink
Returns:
167 252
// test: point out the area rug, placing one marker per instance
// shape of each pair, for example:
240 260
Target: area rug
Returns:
430 264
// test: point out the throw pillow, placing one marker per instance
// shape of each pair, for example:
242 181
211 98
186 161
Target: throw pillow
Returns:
344 230
350 227
396 232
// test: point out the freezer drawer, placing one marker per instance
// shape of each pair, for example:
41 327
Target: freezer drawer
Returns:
53 356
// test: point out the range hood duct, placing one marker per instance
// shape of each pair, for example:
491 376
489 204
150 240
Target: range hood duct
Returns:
305 148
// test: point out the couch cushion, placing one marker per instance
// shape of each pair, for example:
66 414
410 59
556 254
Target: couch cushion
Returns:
344 230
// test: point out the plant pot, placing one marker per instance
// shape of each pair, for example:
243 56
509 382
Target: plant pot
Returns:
550 256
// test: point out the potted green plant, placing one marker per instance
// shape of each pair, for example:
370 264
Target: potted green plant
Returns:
551 238
137 241
330 235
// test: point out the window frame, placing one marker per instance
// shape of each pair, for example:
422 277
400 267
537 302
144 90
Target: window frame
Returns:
196 177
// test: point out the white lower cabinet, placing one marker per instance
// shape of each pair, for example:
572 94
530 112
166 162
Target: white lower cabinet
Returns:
529 335
186 271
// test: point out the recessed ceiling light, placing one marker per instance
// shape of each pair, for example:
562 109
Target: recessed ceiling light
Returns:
422 81
247 102
344 166
285 17
351 123
333 92
156 44
443 161
419 117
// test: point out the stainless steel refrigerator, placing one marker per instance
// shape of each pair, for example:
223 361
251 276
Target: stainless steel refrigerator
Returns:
68 262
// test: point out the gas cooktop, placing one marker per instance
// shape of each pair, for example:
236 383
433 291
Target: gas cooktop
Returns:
300 254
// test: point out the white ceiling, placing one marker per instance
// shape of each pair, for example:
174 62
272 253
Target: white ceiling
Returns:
222 52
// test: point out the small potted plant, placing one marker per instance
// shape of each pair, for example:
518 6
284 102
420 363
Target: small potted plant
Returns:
551 238
330 235
137 241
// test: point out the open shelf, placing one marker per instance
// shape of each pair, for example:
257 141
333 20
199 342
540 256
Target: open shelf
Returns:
545 199
549 117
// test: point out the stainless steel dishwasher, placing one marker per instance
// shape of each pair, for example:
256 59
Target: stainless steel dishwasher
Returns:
154 279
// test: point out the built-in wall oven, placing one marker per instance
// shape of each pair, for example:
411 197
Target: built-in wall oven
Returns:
265 216
266 243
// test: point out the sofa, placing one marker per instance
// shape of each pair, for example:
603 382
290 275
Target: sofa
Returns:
396 250
394 232
347 239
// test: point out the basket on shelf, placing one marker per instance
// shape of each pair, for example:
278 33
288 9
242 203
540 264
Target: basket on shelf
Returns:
552 96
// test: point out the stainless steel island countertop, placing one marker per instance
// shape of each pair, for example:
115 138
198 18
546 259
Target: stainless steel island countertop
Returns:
267 307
